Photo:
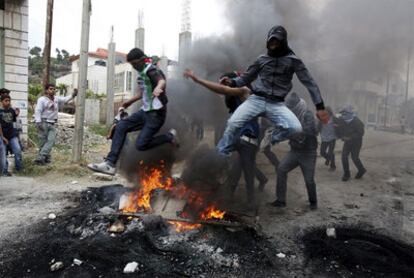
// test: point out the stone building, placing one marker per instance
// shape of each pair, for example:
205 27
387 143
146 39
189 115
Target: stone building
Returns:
14 53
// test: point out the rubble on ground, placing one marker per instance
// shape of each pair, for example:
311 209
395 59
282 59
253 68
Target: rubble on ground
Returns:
66 130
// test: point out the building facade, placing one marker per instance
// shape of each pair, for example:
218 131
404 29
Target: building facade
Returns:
14 62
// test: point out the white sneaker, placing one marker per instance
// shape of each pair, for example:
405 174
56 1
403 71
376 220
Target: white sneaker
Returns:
103 167
267 139
175 140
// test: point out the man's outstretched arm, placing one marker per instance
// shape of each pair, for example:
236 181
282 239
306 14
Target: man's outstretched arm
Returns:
216 87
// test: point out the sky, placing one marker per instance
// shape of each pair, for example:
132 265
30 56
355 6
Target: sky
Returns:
162 22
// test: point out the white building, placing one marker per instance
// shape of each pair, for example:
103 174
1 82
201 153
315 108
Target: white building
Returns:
97 73
14 53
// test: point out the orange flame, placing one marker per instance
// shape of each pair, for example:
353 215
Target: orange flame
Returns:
184 226
141 199
152 179
212 213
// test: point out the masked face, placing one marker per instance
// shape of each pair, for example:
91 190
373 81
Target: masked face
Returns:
138 64
274 44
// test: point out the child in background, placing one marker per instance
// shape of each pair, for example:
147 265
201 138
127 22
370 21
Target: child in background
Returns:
7 120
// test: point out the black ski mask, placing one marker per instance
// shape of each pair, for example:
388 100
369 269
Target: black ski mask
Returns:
278 33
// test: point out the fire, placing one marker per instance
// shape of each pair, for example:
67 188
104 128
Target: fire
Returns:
140 200
154 178
184 226
212 213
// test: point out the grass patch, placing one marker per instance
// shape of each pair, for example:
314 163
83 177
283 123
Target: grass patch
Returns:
99 129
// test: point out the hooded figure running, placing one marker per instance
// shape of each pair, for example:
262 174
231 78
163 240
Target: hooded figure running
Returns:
270 78
351 130
302 153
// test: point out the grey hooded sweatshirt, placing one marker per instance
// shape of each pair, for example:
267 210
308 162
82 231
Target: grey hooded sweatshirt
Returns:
271 74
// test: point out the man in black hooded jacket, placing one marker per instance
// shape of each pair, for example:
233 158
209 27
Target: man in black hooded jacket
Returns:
302 154
270 78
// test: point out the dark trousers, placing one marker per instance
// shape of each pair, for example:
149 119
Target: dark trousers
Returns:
247 164
327 151
271 156
306 161
149 123
352 147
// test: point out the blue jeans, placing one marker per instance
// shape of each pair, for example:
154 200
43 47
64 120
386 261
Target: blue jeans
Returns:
17 151
149 123
285 122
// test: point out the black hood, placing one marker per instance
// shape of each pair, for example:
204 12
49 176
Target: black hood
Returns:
279 33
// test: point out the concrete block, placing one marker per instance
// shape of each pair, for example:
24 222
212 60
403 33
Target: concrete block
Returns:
9 60
17 21
16 43
21 89
7 21
1 18
15 52
13 7
13 34
16 78
16 69
19 98
25 23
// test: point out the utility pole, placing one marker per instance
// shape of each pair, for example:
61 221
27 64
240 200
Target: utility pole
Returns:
82 82
48 42
386 100
110 73
140 43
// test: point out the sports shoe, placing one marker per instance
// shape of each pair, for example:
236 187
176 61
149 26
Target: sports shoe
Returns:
262 185
175 140
40 161
360 174
267 139
103 167
277 204
346 177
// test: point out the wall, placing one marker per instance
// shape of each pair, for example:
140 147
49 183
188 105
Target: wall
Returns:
14 54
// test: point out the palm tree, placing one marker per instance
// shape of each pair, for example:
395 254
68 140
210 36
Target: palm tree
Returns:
62 88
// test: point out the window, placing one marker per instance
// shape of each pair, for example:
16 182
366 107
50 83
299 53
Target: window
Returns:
2 4
119 82
129 81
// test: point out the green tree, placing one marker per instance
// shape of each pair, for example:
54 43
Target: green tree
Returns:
35 90
35 51
62 88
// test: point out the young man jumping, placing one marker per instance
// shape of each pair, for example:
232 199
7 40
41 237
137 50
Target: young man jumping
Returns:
270 78
247 141
151 117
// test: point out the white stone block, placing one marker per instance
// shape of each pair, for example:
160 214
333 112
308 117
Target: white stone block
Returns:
16 69
7 20
17 21
25 23
16 35
21 53
20 89
16 43
9 60
1 18
16 78
19 97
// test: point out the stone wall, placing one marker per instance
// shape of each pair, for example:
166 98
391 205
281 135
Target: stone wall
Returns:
14 55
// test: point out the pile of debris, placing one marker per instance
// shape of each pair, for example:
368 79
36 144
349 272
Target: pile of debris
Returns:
93 240
66 129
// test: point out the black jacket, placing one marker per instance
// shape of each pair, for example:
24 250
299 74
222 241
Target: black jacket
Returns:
353 130
306 141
